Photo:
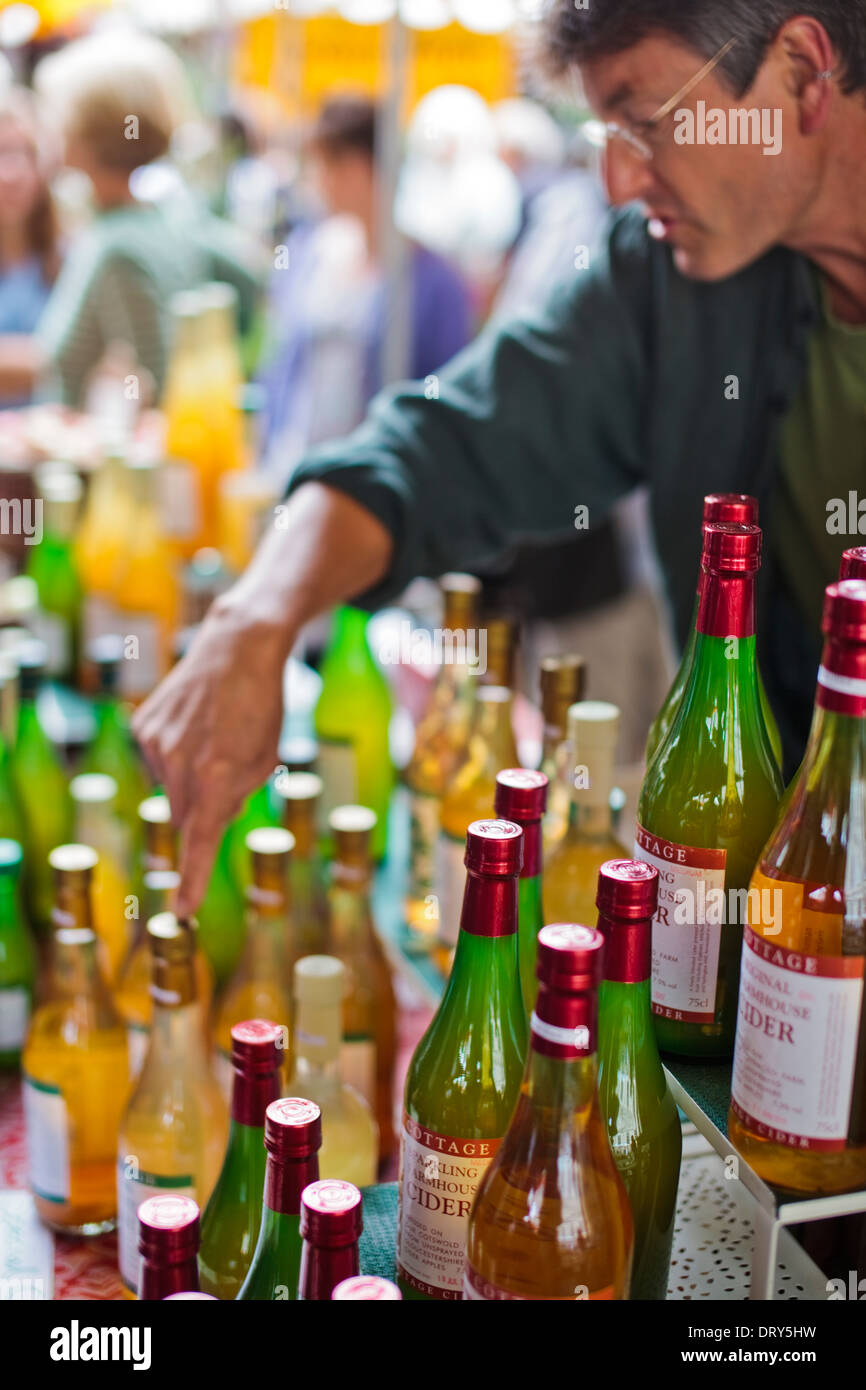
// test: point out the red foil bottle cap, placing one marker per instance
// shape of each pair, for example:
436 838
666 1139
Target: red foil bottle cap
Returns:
570 957
845 611
732 549
854 563
176 1297
257 1047
730 508
365 1287
628 889
331 1213
494 847
521 795
293 1128
168 1228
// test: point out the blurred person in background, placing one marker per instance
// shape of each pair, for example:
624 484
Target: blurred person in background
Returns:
328 299
117 99
29 254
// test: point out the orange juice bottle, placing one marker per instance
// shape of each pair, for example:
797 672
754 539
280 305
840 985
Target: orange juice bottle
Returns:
146 590
99 543
188 435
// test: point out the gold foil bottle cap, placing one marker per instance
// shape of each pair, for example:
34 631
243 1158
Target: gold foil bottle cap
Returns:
562 684
171 938
155 810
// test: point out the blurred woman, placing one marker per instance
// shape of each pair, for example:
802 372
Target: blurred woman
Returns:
29 258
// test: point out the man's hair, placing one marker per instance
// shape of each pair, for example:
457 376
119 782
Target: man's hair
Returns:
573 35
346 125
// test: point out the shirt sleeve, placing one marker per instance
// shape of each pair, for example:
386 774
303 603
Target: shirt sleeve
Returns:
539 417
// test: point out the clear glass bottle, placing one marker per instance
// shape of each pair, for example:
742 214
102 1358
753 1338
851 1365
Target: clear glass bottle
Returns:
640 1113
440 742
299 793
293 1137
571 871
173 1133
261 986
369 1049
464 1077
75 1066
230 1225
17 959
96 823
350 1136
562 685
551 1219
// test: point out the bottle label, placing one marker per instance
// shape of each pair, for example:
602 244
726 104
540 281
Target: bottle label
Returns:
450 882
798 1023
139 671
476 1287
358 1066
439 1176
137 1037
337 767
47 1140
14 1013
179 500
132 1190
423 833
687 927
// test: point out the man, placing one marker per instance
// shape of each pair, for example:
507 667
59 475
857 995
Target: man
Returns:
715 343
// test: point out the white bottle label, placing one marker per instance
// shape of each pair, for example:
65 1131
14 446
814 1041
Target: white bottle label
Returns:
450 881
439 1176
139 670
26 1250
337 766
138 1038
133 1189
47 1140
687 927
798 1022
14 1013
358 1067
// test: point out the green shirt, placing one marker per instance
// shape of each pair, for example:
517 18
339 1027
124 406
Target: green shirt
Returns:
823 461
116 285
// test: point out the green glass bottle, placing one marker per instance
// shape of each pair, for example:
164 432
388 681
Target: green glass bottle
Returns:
221 916
464 1077
643 1125
299 793
41 788
11 818
707 806
112 749
521 796
257 813
230 1225
720 509
17 959
352 718
51 564
293 1137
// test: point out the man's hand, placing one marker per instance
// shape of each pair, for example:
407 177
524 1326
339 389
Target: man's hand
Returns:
210 731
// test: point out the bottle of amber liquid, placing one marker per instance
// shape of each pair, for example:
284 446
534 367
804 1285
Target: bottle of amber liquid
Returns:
299 793
551 1218
75 1066
168 1238
571 871
331 1226
261 986
798 1108
158 884
562 685
440 741
173 1134
369 1047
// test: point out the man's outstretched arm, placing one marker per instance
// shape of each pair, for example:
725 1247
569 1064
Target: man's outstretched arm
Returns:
210 730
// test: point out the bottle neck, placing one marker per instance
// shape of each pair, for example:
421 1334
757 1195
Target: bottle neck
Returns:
627 950
591 785
317 1039
350 633
532 848
726 606
72 904
74 964
160 847
842 679
299 818
493 726
349 898
251 1096
323 1269
161 1278
489 907
173 986
285 1180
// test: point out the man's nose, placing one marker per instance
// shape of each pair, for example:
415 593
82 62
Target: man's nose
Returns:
627 177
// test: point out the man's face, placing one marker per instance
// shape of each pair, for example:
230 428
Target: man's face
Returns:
718 206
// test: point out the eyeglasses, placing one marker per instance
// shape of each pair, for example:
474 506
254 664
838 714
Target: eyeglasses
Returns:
600 132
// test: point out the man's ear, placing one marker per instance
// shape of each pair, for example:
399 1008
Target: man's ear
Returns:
810 61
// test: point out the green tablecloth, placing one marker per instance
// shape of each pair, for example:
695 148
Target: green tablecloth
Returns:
379 1240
